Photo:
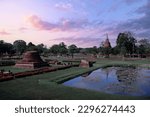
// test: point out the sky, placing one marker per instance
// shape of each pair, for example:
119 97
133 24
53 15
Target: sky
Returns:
84 23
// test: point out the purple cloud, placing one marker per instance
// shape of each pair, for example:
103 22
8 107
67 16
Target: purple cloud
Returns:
131 1
62 25
138 25
38 23
79 41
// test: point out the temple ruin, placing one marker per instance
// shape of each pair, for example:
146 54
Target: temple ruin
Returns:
107 43
31 59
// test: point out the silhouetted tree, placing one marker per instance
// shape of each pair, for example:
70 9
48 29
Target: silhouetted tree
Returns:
72 49
6 48
127 41
105 51
41 48
62 49
31 47
115 50
54 49
144 46
19 46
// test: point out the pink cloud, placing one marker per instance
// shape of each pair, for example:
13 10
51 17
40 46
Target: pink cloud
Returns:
62 25
23 28
3 32
79 41
38 23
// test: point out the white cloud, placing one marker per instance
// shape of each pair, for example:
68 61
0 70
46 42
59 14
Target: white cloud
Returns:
63 6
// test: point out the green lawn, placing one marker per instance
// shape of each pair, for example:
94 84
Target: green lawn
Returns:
13 69
47 86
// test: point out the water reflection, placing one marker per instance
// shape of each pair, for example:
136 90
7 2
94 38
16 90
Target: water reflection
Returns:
127 75
115 80
86 74
107 71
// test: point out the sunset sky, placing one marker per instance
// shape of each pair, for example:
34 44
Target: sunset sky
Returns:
81 22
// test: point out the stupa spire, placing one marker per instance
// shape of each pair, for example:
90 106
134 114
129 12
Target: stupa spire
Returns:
107 43
106 35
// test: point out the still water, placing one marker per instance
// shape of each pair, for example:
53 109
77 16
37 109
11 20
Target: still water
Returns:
115 80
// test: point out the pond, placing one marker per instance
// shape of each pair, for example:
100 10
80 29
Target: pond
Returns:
115 80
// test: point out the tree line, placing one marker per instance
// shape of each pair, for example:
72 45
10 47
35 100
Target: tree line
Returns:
126 45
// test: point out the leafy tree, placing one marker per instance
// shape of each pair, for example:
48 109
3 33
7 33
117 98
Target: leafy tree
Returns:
83 51
19 46
72 49
101 48
127 41
1 47
6 48
115 50
41 48
59 49
144 42
105 50
62 48
94 50
54 49
9 48
31 47
123 51
144 46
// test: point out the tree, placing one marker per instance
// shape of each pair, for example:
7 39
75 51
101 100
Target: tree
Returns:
5 48
101 48
115 50
105 50
127 41
19 46
41 48
123 52
1 47
93 50
62 48
144 46
9 48
72 49
31 47
54 49
83 51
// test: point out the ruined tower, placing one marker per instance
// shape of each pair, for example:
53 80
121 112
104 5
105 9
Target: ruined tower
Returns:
31 59
107 43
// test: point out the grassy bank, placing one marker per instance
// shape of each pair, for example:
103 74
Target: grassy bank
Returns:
13 69
45 86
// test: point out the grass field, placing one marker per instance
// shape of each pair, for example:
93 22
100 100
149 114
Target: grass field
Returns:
47 86
13 69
